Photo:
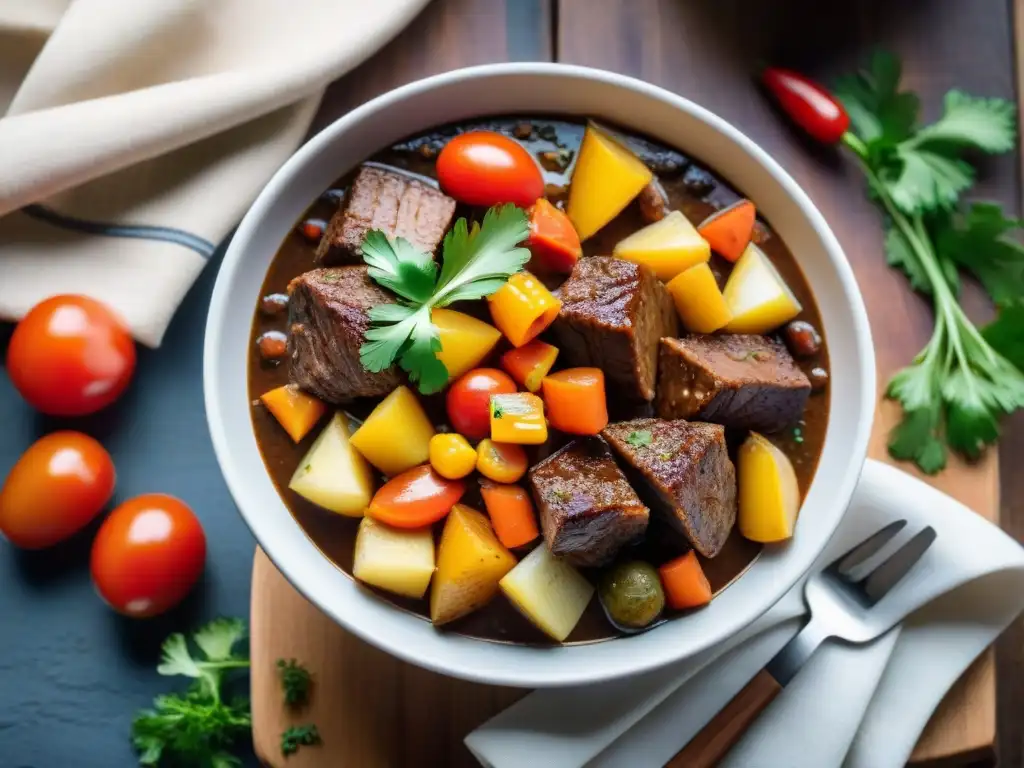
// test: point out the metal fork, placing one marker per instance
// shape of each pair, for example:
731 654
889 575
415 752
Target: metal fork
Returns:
840 597
839 600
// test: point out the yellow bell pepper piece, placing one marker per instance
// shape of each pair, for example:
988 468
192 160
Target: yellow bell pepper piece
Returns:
668 246
606 178
470 563
465 341
452 456
396 435
699 302
757 296
523 308
769 496
518 418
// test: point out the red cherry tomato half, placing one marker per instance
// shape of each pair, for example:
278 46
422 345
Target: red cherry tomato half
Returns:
57 486
486 168
70 356
416 498
147 555
469 400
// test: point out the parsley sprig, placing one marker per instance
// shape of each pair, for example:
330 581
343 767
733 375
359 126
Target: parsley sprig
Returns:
961 383
199 727
475 263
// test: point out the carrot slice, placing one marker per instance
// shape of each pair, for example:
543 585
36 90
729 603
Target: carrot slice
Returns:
729 231
295 410
553 240
575 402
684 581
530 363
511 513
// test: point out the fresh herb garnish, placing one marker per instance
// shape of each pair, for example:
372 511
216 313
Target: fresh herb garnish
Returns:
665 456
299 736
295 681
475 264
496 410
199 727
561 495
640 438
798 435
963 381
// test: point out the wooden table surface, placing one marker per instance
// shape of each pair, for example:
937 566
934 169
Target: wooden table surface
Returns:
706 52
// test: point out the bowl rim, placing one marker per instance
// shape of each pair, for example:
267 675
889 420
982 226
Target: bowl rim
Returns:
514 664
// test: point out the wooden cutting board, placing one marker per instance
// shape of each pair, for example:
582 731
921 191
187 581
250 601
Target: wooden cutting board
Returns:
375 711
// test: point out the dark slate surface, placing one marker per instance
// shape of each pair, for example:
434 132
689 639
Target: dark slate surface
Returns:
72 673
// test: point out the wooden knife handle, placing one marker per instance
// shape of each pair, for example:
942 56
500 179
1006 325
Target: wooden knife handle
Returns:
717 738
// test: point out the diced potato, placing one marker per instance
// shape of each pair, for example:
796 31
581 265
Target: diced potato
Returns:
548 591
757 296
699 303
606 178
470 563
400 561
769 496
332 474
668 246
295 410
465 341
396 435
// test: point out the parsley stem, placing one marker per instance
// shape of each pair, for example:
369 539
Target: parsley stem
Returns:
853 141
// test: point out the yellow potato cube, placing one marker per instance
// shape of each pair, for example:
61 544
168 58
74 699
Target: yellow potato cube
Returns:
465 341
334 475
606 179
668 246
699 303
470 563
757 296
548 591
396 435
769 496
400 561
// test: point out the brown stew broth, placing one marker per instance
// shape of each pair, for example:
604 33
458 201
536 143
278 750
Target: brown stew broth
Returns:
693 190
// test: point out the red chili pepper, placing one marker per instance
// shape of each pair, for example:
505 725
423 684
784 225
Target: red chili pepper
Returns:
808 104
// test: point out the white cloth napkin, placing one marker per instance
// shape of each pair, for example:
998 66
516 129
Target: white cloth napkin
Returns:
853 706
143 130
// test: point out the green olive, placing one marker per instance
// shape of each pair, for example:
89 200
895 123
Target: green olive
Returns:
631 594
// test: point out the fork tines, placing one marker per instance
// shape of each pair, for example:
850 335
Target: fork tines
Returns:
873 582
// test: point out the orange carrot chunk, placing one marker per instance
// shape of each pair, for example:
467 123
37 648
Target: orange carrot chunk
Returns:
553 240
511 513
684 582
530 363
295 410
575 402
728 232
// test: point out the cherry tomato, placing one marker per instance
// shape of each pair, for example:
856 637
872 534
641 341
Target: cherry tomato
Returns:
70 356
57 486
486 168
416 498
469 400
147 555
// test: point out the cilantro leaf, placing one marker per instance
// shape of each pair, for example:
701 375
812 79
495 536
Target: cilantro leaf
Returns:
640 438
923 179
196 727
920 436
476 262
900 254
399 266
1006 334
977 241
984 124
879 112
217 638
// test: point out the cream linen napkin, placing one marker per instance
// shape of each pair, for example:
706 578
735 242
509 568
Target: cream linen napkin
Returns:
142 131
862 707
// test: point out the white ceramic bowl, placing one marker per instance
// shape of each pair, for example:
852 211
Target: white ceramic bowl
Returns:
533 89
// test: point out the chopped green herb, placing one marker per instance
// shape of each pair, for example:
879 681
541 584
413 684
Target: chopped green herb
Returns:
497 411
665 456
798 435
475 264
295 680
561 495
640 438
299 736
